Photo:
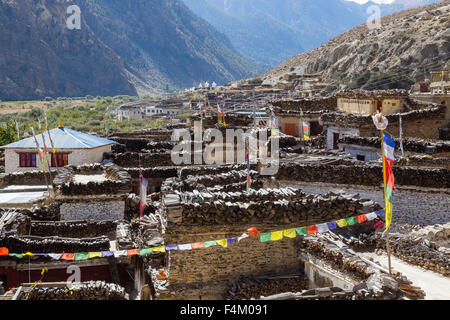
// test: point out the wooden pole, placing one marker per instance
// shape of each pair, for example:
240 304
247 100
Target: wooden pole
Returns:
385 202
45 176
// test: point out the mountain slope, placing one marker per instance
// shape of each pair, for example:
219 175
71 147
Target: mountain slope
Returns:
405 49
272 31
123 47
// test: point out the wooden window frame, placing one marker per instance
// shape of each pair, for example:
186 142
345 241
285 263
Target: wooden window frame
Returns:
29 161
62 159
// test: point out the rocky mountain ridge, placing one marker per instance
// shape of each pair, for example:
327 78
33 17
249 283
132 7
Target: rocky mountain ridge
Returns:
406 47
122 47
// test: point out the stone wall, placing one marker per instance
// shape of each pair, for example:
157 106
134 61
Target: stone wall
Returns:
33 177
248 288
73 229
146 160
94 290
409 144
97 210
310 209
207 273
48 244
118 180
329 104
364 174
410 206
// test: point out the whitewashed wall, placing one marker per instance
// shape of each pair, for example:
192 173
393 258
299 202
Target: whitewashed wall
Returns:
341 132
76 157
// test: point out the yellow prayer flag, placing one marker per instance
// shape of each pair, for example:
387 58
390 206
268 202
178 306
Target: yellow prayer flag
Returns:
92 255
341 223
290 233
222 242
276 235
159 249
28 254
388 216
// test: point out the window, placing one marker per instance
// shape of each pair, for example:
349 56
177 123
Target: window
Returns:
27 160
360 157
60 159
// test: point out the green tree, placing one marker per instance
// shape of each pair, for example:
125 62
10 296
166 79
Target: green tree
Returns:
8 133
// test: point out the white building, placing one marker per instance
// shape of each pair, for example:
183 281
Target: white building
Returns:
128 112
72 148
153 111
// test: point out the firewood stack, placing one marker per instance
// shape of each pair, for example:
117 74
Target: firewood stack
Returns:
254 288
93 290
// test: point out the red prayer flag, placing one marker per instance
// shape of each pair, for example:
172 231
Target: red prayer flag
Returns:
4 251
253 232
68 256
312 229
362 218
197 245
133 252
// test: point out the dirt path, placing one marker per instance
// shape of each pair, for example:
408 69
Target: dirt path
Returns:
435 285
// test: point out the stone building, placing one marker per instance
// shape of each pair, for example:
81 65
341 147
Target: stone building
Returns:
369 102
128 112
440 82
72 148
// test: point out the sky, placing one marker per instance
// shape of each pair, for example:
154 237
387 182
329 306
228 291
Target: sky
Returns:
404 2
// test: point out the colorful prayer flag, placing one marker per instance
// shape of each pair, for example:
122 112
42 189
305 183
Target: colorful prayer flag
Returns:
305 130
380 213
17 255
107 253
276 235
342 223
322 228
184 247
222 242
159 249
172 247
4 251
92 255
68 256
243 236
80 256
146 251
231 240
253 232
312 229
331 225
265 237
351 221
133 252
120 253
361 219
371 216
301 231
388 163
208 244
289 233
197 245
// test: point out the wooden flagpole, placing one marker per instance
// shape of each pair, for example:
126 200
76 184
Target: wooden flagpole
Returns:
38 149
385 201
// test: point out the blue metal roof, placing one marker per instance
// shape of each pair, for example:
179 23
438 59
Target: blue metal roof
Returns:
63 138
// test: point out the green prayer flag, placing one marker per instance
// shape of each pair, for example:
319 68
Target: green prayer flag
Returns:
81 256
265 237
301 231
144 252
351 221
17 255
208 244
